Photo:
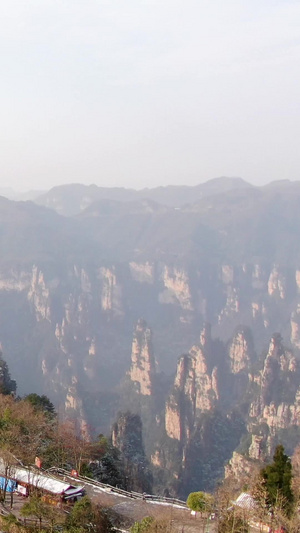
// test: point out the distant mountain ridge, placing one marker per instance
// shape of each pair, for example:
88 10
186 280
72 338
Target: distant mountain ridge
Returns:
72 199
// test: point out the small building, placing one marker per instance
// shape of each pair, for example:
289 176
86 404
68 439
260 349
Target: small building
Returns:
245 501
23 480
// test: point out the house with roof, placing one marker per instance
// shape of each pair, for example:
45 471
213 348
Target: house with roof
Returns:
24 481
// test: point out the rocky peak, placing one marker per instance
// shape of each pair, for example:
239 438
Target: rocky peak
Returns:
195 389
177 284
111 291
142 369
277 283
256 447
205 336
38 295
128 439
277 403
127 429
272 364
295 325
240 468
275 347
241 350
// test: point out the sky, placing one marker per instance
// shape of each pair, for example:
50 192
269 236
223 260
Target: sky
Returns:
142 93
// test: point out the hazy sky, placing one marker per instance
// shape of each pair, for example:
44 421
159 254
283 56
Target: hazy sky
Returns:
140 93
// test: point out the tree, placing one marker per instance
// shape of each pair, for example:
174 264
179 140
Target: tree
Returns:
24 434
10 523
233 521
296 473
66 448
151 525
85 516
37 508
278 481
200 501
81 514
260 495
108 469
143 525
41 403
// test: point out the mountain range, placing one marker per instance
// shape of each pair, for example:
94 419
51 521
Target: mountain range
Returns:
103 292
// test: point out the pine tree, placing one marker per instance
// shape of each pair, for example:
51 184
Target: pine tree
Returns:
278 480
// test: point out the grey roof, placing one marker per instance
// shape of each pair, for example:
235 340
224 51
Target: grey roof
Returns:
42 481
245 501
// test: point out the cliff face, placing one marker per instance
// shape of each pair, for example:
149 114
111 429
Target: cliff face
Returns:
60 320
193 409
74 325
177 287
270 399
277 385
241 352
202 377
241 468
195 390
142 369
127 438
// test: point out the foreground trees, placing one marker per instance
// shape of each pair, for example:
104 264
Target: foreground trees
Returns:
37 508
24 434
233 521
86 516
150 525
271 500
277 478
200 502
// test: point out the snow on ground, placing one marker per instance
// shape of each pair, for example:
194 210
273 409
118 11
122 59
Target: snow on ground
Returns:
168 504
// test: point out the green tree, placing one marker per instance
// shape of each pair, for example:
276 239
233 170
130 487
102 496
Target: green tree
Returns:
200 501
85 516
81 514
41 403
10 523
37 508
278 481
143 525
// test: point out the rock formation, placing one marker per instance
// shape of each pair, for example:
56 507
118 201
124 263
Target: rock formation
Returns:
142 369
241 469
72 290
241 351
195 389
127 438
276 402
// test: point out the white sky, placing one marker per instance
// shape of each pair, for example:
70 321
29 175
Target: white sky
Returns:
140 93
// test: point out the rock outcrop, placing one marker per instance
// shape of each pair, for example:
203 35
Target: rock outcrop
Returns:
195 389
111 291
241 351
277 399
142 371
241 469
127 438
177 288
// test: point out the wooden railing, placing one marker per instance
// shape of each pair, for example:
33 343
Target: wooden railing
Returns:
110 488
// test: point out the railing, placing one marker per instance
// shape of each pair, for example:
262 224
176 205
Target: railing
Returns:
110 488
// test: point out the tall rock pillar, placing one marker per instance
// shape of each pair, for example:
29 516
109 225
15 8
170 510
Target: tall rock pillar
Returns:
142 368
